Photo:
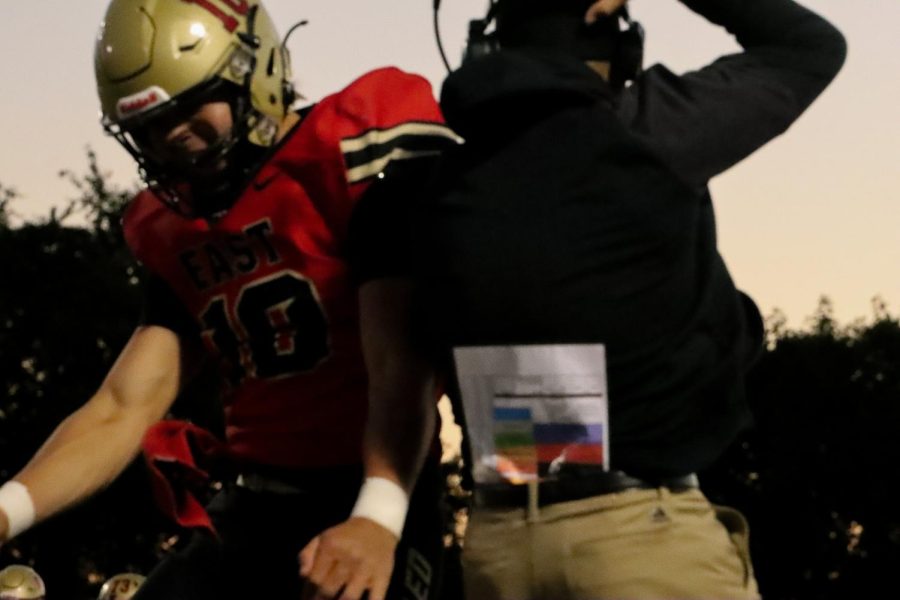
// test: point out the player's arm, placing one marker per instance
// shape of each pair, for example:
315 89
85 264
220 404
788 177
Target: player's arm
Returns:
402 391
358 555
94 444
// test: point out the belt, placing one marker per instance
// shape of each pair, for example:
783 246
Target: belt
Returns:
565 489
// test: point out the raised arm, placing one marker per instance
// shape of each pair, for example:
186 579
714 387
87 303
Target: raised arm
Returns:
704 122
95 443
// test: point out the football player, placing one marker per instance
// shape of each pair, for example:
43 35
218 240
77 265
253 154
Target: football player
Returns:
18 582
254 230
121 587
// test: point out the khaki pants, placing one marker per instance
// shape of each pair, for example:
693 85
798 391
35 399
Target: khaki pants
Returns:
638 544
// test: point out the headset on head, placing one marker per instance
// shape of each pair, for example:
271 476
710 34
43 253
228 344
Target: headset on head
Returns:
626 64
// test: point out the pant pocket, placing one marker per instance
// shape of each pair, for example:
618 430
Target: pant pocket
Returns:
739 532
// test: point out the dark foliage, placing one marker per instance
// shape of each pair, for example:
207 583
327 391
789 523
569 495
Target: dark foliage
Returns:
817 476
71 298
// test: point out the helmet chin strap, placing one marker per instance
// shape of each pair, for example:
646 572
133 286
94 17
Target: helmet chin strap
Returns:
209 198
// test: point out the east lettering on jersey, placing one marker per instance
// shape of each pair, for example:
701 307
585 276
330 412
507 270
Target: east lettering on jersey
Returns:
219 260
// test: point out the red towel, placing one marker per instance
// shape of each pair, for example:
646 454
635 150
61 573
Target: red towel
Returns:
180 456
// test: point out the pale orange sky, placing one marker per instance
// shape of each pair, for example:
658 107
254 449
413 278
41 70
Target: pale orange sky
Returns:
814 212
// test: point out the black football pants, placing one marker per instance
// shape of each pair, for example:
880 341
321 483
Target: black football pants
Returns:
260 535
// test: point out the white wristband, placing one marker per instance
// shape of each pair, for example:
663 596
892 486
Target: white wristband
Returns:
16 502
384 502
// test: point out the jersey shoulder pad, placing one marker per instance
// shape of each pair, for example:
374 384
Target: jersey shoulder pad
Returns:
388 115
387 96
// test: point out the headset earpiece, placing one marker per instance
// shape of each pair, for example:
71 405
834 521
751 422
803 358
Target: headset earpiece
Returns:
480 43
628 61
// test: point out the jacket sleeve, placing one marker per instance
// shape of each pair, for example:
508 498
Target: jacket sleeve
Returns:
703 122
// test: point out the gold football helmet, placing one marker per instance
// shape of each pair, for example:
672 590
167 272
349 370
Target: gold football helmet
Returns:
155 55
18 582
121 587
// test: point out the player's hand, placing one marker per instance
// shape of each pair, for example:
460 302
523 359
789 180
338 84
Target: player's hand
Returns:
349 559
602 8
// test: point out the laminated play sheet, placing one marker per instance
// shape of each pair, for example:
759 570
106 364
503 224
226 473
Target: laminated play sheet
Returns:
530 409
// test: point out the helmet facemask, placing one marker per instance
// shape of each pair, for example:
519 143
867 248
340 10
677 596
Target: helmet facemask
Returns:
173 181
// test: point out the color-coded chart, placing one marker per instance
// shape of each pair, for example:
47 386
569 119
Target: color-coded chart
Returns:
532 409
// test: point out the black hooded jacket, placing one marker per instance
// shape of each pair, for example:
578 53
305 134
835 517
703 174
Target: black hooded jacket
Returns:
575 213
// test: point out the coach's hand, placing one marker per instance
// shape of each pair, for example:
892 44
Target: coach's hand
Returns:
349 559
603 8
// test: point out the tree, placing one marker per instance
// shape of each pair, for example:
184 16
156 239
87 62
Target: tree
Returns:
7 196
71 298
817 475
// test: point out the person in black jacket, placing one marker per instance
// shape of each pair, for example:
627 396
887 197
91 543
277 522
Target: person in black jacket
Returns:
577 212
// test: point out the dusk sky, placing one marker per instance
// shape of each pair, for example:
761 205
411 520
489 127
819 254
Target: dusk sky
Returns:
814 212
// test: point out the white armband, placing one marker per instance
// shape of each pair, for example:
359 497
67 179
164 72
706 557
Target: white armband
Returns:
384 502
16 502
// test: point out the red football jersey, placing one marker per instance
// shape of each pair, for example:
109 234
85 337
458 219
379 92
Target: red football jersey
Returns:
269 284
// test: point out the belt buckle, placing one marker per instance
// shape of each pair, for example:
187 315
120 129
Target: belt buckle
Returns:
262 484
511 496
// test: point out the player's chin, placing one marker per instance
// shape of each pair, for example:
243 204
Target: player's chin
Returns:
199 166
210 171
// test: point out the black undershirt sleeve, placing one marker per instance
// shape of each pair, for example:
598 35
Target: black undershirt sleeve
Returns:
379 237
703 122
163 308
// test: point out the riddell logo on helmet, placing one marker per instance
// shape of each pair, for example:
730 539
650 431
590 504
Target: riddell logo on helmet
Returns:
141 102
